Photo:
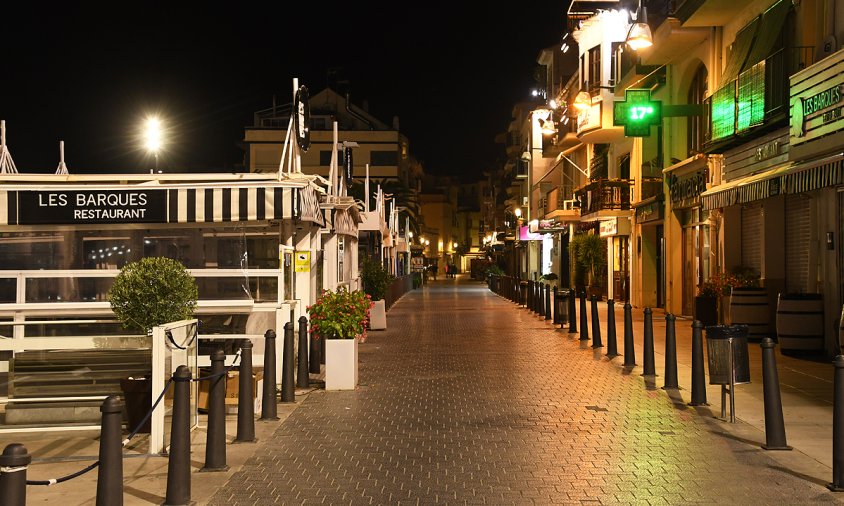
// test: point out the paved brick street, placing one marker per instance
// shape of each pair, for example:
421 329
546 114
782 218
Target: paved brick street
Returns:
468 400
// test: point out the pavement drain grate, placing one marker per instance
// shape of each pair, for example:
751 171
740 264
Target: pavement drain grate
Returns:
596 408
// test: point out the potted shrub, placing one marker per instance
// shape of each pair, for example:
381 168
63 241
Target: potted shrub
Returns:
590 252
147 293
376 282
706 303
340 317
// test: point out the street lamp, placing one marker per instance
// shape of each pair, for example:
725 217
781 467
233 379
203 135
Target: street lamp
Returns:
152 137
639 36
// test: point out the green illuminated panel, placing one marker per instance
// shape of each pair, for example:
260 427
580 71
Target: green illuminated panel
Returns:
751 97
637 113
723 113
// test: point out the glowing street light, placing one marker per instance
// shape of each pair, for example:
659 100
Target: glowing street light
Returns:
153 137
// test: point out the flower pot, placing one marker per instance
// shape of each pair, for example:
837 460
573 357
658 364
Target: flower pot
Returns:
341 364
137 396
706 310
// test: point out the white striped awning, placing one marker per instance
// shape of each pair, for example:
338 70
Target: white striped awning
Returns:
344 221
796 177
117 204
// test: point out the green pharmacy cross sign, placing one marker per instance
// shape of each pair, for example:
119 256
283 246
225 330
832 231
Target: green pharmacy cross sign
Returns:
637 112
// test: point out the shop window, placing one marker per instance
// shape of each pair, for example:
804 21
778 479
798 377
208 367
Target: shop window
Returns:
697 95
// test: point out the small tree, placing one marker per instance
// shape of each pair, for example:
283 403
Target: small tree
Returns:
376 279
151 292
590 253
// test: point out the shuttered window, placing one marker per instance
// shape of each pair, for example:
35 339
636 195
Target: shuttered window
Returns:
751 237
798 234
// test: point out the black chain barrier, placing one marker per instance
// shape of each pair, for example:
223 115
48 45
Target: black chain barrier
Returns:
139 426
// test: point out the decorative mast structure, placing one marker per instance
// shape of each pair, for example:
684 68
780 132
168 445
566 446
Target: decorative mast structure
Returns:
62 168
7 165
298 128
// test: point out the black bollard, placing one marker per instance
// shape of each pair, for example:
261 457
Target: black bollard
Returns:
529 304
110 470
698 373
596 325
837 484
548 302
215 438
321 350
541 302
302 378
178 464
313 356
670 354
612 345
774 424
245 396
629 348
558 319
572 312
584 329
13 464
648 357
288 390
269 410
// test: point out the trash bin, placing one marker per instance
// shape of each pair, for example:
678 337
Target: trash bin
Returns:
137 397
719 341
562 308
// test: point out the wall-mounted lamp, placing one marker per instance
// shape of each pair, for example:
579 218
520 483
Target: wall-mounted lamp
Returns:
582 101
639 36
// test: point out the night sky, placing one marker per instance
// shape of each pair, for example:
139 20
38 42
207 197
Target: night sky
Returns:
88 74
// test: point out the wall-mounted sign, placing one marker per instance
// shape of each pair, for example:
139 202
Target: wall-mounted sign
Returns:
589 118
817 108
526 235
686 188
80 207
302 118
614 226
302 262
637 113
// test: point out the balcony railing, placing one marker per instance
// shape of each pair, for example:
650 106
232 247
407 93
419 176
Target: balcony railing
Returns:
757 98
604 195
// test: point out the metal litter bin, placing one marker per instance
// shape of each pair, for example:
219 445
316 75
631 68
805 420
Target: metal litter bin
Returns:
562 305
719 340
729 363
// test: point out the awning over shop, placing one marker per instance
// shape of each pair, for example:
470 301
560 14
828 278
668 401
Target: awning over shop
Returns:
795 177
121 203
345 221
309 206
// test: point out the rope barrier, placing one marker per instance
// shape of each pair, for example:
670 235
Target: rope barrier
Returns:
187 344
71 476
54 481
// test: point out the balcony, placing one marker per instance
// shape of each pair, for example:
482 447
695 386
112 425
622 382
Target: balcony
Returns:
604 197
755 102
561 204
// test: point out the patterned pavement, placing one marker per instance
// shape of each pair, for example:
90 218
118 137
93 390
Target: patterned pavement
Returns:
466 399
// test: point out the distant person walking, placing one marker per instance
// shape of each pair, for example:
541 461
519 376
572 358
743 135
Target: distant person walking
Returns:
434 271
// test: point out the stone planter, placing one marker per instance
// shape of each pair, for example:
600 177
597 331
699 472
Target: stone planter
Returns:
341 364
378 316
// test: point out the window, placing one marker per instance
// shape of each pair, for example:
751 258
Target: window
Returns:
595 68
325 158
382 158
615 56
697 93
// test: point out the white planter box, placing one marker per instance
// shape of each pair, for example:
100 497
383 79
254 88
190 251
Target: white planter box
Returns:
378 316
341 364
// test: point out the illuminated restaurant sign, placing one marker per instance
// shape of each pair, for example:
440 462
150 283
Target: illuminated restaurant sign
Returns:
90 207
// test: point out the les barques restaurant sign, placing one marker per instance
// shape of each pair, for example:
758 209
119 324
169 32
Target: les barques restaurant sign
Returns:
82 207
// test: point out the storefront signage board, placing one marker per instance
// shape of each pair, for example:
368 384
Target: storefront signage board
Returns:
81 207
614 226
817 108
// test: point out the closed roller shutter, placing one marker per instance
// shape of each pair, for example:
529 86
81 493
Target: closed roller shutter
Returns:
751 237
798 234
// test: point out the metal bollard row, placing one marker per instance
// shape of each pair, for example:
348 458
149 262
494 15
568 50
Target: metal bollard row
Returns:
596 325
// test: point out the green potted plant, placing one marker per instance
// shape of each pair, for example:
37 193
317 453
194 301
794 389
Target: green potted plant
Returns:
590 252
147 293
376 281
340 317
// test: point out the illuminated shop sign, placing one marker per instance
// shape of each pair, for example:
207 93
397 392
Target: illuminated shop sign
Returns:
637 113
90 207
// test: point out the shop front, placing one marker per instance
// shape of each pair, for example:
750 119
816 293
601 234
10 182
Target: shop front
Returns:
689 246
617 233
648 283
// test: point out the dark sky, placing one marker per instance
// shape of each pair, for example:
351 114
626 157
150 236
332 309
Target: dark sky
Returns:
88 74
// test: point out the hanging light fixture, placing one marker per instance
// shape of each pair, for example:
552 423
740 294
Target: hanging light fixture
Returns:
546 125
639 36
582 101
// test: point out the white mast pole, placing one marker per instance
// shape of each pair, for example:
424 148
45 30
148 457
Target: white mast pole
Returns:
62 169
7 165
366 190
